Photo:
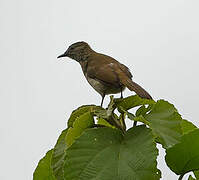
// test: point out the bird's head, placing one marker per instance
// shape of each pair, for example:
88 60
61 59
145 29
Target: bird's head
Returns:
78 51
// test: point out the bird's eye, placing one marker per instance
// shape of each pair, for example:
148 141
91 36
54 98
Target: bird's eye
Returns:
72 48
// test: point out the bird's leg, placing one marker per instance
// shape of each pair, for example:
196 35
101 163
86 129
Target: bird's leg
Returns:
135 123
121 94
102 99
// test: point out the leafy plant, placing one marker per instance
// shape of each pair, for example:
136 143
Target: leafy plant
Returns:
97 146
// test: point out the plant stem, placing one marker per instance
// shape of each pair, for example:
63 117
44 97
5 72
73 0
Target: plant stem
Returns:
117 123
123 122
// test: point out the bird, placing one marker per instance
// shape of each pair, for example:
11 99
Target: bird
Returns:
105 74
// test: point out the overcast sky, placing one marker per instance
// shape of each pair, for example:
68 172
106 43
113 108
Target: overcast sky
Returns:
158 40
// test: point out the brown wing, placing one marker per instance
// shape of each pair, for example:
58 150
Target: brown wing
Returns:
102 68
109 71
125 70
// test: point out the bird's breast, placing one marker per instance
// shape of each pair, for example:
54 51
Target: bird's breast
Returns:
98 86
102 88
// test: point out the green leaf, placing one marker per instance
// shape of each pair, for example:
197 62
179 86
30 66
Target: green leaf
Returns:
143 110
103 122
81 123
184 157
44 170
58 155
105 113
101 113
187 126
141 119
108 114
165 122
132 101
105 153
191 178
130 115
196 173
80 111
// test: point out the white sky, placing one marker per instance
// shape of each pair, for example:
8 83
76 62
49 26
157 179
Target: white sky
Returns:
158 40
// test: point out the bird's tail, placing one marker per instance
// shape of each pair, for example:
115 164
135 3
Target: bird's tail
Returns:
132 86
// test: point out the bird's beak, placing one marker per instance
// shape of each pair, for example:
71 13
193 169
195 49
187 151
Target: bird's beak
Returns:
63 55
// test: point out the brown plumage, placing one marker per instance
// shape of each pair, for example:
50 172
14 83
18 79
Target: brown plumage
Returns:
105 74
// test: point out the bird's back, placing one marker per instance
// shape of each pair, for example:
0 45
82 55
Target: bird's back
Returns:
101 61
